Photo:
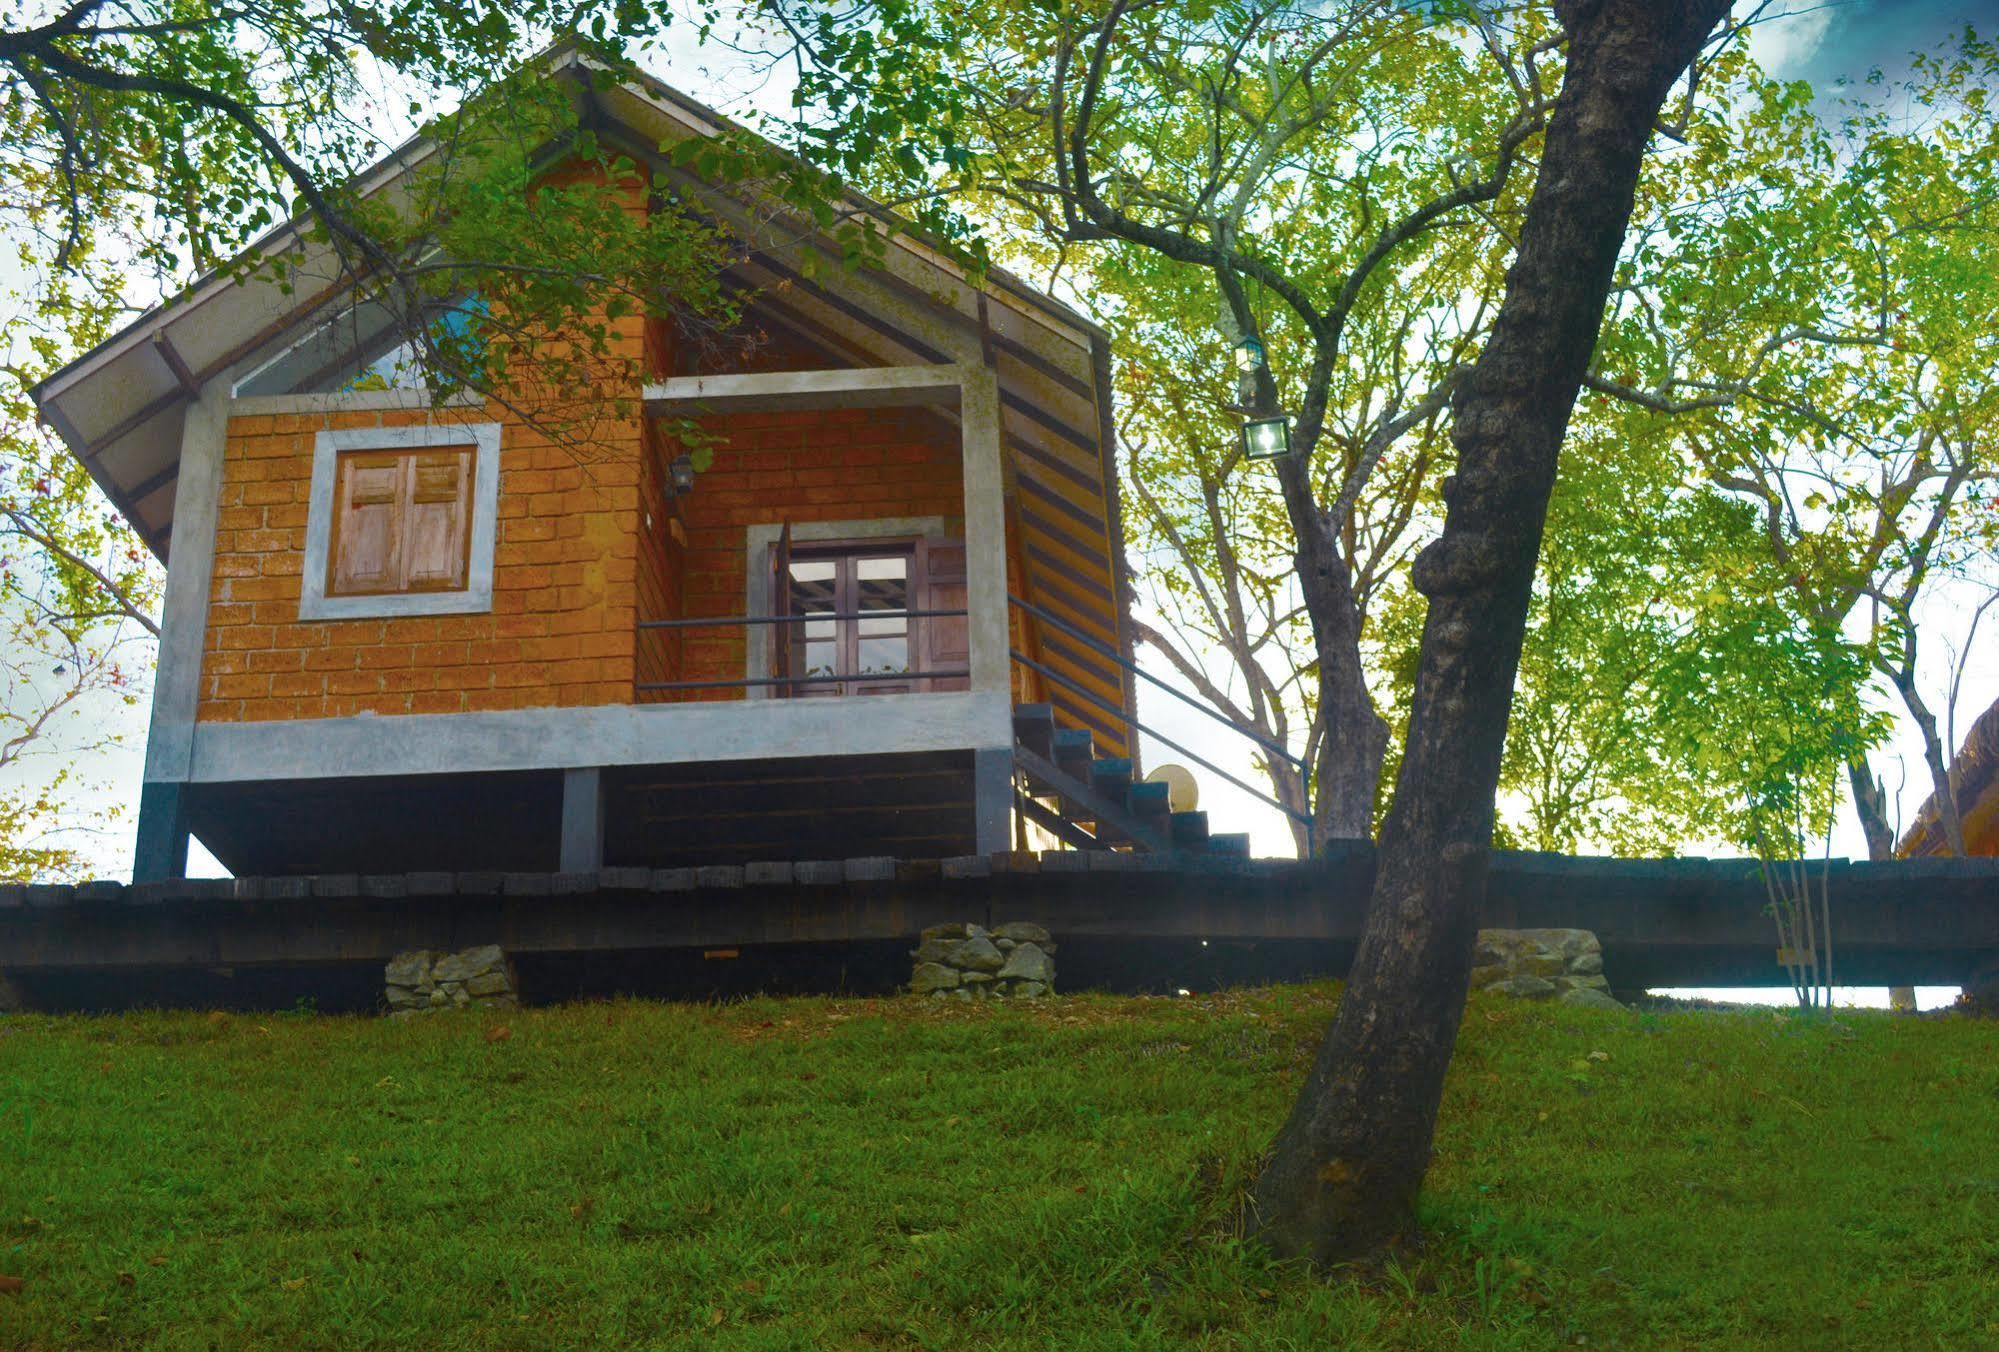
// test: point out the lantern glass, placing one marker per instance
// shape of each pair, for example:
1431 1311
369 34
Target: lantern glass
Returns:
681 472
1266 438
1248 354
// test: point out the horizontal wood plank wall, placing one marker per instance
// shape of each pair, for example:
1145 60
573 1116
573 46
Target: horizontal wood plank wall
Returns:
1062 511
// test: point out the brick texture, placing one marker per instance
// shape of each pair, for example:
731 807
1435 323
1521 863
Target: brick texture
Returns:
565 587
772 468
589 541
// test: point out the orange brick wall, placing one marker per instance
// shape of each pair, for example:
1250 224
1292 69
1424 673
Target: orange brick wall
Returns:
772 468
661 536
564 587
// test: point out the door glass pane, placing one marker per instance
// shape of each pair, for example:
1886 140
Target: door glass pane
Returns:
814 585
873 589
815 644
884 655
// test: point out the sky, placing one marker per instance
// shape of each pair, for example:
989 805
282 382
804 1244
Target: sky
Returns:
1823 42
1828 40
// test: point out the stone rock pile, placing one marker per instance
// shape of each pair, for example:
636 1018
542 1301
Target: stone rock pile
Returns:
1542 964
970 962
421 980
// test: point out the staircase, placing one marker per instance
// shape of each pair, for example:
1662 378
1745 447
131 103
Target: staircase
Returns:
1091 802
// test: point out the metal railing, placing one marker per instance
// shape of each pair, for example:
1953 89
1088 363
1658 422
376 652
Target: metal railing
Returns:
1103 650
731 621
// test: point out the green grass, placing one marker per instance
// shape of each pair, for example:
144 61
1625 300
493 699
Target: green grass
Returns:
824 1173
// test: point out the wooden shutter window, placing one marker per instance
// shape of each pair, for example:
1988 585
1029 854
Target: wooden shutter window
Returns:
438 537
402 522
366 553
947 642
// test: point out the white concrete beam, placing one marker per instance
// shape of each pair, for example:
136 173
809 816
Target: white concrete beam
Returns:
602 735
779 391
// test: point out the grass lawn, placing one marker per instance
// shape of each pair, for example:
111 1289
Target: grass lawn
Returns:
863 1173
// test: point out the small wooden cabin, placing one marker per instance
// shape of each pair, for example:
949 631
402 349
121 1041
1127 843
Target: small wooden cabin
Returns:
398 636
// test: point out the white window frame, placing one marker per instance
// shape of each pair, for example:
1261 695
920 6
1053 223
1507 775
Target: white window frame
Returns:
477 595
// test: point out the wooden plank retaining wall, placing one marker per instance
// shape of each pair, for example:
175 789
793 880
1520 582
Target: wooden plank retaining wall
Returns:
1662 922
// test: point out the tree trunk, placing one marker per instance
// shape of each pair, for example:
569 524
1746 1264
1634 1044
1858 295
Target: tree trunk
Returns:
1949 820
1347 773
1870 804
1345 1168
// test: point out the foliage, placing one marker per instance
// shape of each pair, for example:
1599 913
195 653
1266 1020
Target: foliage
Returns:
1825 329
847 1172
77 595
1334 180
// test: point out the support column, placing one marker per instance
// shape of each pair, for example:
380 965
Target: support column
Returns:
992 798
160 853
582 820
985 531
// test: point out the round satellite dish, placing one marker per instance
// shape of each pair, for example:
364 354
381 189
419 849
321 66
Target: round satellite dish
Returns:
1183 793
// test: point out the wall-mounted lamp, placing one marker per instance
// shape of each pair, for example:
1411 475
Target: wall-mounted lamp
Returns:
1267 438
681 475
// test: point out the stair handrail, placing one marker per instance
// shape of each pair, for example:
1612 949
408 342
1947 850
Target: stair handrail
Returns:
1104 650
1303 766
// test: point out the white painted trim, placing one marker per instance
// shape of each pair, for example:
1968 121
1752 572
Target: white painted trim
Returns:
184 608
757 599
349 401
985 533
477 597
611 734
861 387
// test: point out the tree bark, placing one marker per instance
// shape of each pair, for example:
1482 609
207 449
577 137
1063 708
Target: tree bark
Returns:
1870 804
1347 773
1345 1168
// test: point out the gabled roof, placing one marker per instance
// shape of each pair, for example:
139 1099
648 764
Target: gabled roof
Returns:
120 407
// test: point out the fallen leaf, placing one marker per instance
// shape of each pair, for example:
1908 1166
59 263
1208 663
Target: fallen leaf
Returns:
354 1160
499 1032
295 1284
157 1260
10 1285
1863 1304
750 1286
1264 1293
714 1318
127 1279
1599 1056
809 1075
784 1210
